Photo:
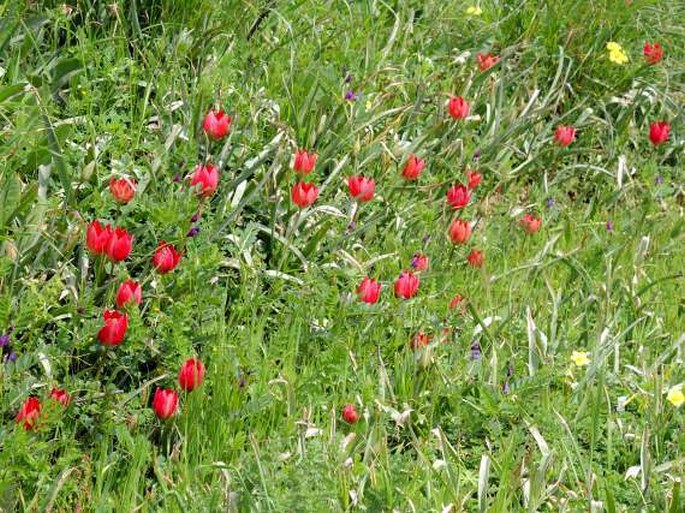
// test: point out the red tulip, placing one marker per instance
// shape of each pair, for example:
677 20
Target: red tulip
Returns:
29 412
419 262
166 258
407 285
458 196
165 403
114 330
458 107
457 301
361 188
97 237
564 135
304 162
129 291
653 53
421 339
530 223
413 167
208 178
474 178
216 124
122 189
476 258
61 396
460 231
304 194
369 290
120 244
486 61
191 374
658 132
349 414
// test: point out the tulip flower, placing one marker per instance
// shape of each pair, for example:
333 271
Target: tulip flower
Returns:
476 259
658 132
29 412
61 396
407 285
413 168
216 124
474 178
129 291
361 188
460 231
349 414
564 135
122 189
304 194
458 196
486 61
421 339
457 302
114 330
207 176
304 162
191 374
369 290
653 53
419 262
530 223
165 403
97 237
120 244
166 258
458 107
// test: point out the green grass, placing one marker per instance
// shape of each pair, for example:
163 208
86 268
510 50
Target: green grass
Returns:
265 294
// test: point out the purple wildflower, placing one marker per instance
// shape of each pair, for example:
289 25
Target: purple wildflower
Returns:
4 339
195 218
610 226
351 96
550 202
178 178
659 180
476 352
193 231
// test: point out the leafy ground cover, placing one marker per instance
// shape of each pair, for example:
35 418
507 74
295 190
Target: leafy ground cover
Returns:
340 256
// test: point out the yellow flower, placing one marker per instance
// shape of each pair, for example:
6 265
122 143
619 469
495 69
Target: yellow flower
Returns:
675 395
580 358
616 53
474 10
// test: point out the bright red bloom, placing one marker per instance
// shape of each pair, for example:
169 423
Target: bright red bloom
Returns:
458 196
216 124
208 178
114 330
457 301
29 412
120 244
165 403
61 396
122 189
413 167
564 135
421 339
486 60
191 374
304 162
129 291
369 290
407 285
476 258
97 237
349 414
530 223
361 188
659 131
474 178
419 262
304 194
653 53
460 231
166 258
458 107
